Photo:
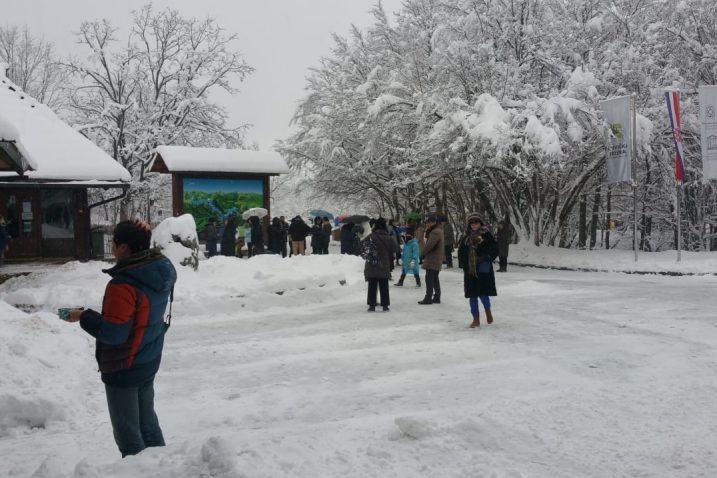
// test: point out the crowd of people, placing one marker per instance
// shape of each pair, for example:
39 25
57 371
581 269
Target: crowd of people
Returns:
412 246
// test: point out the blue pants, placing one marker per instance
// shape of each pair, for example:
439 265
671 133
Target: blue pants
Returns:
473 301
134 423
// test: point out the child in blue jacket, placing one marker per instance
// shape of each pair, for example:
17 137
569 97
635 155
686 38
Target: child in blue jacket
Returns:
410 259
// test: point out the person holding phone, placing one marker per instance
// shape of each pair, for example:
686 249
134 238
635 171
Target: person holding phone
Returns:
130 334
476 253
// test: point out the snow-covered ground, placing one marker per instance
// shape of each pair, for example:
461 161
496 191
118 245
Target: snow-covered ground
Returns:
273 368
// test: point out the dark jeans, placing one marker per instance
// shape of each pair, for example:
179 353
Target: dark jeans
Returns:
449 255
134 423
433 285
211 248
382 285
503 263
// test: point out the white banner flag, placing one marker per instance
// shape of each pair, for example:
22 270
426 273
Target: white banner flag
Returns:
617 115
708 127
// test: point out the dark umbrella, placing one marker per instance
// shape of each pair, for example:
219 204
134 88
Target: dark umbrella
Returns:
356 219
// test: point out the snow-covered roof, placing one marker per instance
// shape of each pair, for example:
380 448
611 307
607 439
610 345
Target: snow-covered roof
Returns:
36 142
171 159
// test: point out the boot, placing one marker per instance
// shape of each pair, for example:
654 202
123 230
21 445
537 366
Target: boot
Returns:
418 280
400 281
476 322
437 299
371 308
426 301
489 316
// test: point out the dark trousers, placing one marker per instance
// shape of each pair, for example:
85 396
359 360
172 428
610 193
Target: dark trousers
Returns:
211 248
134 422
382 285
433 285
449 255
503 263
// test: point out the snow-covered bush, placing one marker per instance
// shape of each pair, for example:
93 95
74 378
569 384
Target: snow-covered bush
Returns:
177 237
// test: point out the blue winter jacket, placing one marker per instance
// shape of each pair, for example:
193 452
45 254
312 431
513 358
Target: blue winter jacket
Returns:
410 253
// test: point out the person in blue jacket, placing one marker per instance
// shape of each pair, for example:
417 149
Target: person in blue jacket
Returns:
410 258
130 334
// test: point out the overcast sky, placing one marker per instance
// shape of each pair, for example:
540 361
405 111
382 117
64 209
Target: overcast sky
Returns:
281 39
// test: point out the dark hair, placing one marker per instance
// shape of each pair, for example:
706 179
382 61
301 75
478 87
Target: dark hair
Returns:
136 234
380 224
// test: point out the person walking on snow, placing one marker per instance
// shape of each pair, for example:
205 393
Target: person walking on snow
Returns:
130 334
476 253
432 256
377 275
410 259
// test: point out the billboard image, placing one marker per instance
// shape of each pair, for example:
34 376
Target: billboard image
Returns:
220 198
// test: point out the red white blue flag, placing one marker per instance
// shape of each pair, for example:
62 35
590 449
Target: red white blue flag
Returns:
673 110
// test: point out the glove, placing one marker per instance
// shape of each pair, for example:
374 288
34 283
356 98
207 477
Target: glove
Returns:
412 264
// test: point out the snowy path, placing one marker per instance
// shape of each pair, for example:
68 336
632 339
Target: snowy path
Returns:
583 374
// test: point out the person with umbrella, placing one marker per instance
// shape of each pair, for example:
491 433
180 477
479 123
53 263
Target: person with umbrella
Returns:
317 239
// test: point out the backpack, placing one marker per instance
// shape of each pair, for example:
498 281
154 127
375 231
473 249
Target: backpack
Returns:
369 252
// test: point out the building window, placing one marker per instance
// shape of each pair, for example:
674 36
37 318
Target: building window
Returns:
57 214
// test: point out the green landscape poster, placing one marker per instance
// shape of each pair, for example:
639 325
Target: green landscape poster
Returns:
219 198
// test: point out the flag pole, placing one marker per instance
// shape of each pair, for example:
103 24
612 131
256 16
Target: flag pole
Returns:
633 102
678 187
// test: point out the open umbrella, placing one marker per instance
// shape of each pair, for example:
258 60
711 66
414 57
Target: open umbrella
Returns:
254 211
320 213
356 219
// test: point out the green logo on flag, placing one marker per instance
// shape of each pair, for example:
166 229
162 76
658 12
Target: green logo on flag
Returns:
616 129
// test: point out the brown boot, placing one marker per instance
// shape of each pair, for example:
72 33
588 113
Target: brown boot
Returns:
489 316
476 322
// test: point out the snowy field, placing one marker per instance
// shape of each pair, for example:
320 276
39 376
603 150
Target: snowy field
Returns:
273 368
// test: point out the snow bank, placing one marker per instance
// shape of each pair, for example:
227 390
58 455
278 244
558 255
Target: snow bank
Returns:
614 260
44 361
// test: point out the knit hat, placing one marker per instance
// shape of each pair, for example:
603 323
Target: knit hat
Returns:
474 217
433 218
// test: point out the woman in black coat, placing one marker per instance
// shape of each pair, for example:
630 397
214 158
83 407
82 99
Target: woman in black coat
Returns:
476 252
228 237
377 274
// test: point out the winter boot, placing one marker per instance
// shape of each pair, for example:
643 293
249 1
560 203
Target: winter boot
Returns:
400 281
488 316
437 299
426 301
418 280
386 309
371 308
476 322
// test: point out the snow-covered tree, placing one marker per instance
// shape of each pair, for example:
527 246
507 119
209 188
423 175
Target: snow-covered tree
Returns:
32 65
494 105
153 88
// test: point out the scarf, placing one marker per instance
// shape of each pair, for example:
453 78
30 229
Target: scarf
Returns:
472 254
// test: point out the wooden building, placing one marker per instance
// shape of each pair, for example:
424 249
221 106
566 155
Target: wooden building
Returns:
46 168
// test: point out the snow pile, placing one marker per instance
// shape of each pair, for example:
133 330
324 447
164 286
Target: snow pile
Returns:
177 237
44 360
